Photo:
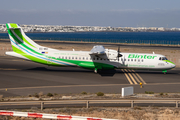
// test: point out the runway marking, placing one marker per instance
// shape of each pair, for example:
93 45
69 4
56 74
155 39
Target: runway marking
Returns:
131 77
127 77
135 77
39 87
140 77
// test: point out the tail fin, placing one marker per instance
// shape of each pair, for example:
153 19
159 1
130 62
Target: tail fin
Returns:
19 39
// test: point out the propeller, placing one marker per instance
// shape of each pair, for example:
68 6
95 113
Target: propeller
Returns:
118 55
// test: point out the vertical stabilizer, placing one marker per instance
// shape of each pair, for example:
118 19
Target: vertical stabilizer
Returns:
18 38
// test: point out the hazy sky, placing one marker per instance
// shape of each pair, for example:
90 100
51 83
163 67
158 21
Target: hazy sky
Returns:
115 13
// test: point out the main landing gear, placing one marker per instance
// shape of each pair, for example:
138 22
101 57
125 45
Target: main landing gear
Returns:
97 70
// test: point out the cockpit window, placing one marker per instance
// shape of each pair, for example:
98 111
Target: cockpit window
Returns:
163 58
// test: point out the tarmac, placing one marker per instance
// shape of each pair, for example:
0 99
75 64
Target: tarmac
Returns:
21 78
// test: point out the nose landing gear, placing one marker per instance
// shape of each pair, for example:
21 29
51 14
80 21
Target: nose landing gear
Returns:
164 71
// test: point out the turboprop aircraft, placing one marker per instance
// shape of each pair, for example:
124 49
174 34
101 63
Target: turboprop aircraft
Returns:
97 59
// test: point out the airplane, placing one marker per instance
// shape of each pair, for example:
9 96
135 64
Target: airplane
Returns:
97 59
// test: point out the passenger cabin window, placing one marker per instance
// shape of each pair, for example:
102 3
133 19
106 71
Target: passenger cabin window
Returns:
79 58
69 57
62 57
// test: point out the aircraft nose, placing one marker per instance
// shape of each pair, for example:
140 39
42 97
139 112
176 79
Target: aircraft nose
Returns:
173 65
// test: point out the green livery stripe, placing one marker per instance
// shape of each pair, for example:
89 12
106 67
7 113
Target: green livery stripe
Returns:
33 58
17 40
13 25
83 64
17 31
19 34
89 65
168 61
7 25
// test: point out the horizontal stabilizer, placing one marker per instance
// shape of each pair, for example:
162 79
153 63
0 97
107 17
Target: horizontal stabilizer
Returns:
14 54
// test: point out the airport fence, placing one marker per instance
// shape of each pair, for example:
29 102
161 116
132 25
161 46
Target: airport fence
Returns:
127 41
87 103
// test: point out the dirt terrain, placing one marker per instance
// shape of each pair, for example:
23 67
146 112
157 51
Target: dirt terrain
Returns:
123 113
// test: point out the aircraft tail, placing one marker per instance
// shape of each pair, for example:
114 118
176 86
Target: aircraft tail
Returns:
18 38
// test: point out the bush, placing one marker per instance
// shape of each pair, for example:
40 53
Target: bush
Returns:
100 94
49 94
36 95
161 93
84 93
149 92
137 108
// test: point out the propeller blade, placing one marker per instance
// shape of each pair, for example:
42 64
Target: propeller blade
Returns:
118 55
118 52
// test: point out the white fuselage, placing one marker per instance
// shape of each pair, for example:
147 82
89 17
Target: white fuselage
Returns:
128 60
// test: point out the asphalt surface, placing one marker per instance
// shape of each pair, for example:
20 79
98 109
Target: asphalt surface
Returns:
19 77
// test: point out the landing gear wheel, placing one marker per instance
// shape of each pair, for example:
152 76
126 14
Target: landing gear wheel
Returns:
164 71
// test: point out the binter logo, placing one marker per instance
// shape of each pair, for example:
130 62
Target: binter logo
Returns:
141 56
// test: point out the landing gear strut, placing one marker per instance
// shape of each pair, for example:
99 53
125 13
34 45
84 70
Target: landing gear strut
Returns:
95 70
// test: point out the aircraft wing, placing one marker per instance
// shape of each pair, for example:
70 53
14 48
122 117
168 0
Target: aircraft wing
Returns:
98 50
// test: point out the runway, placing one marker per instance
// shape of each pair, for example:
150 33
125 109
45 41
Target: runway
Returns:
21 78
